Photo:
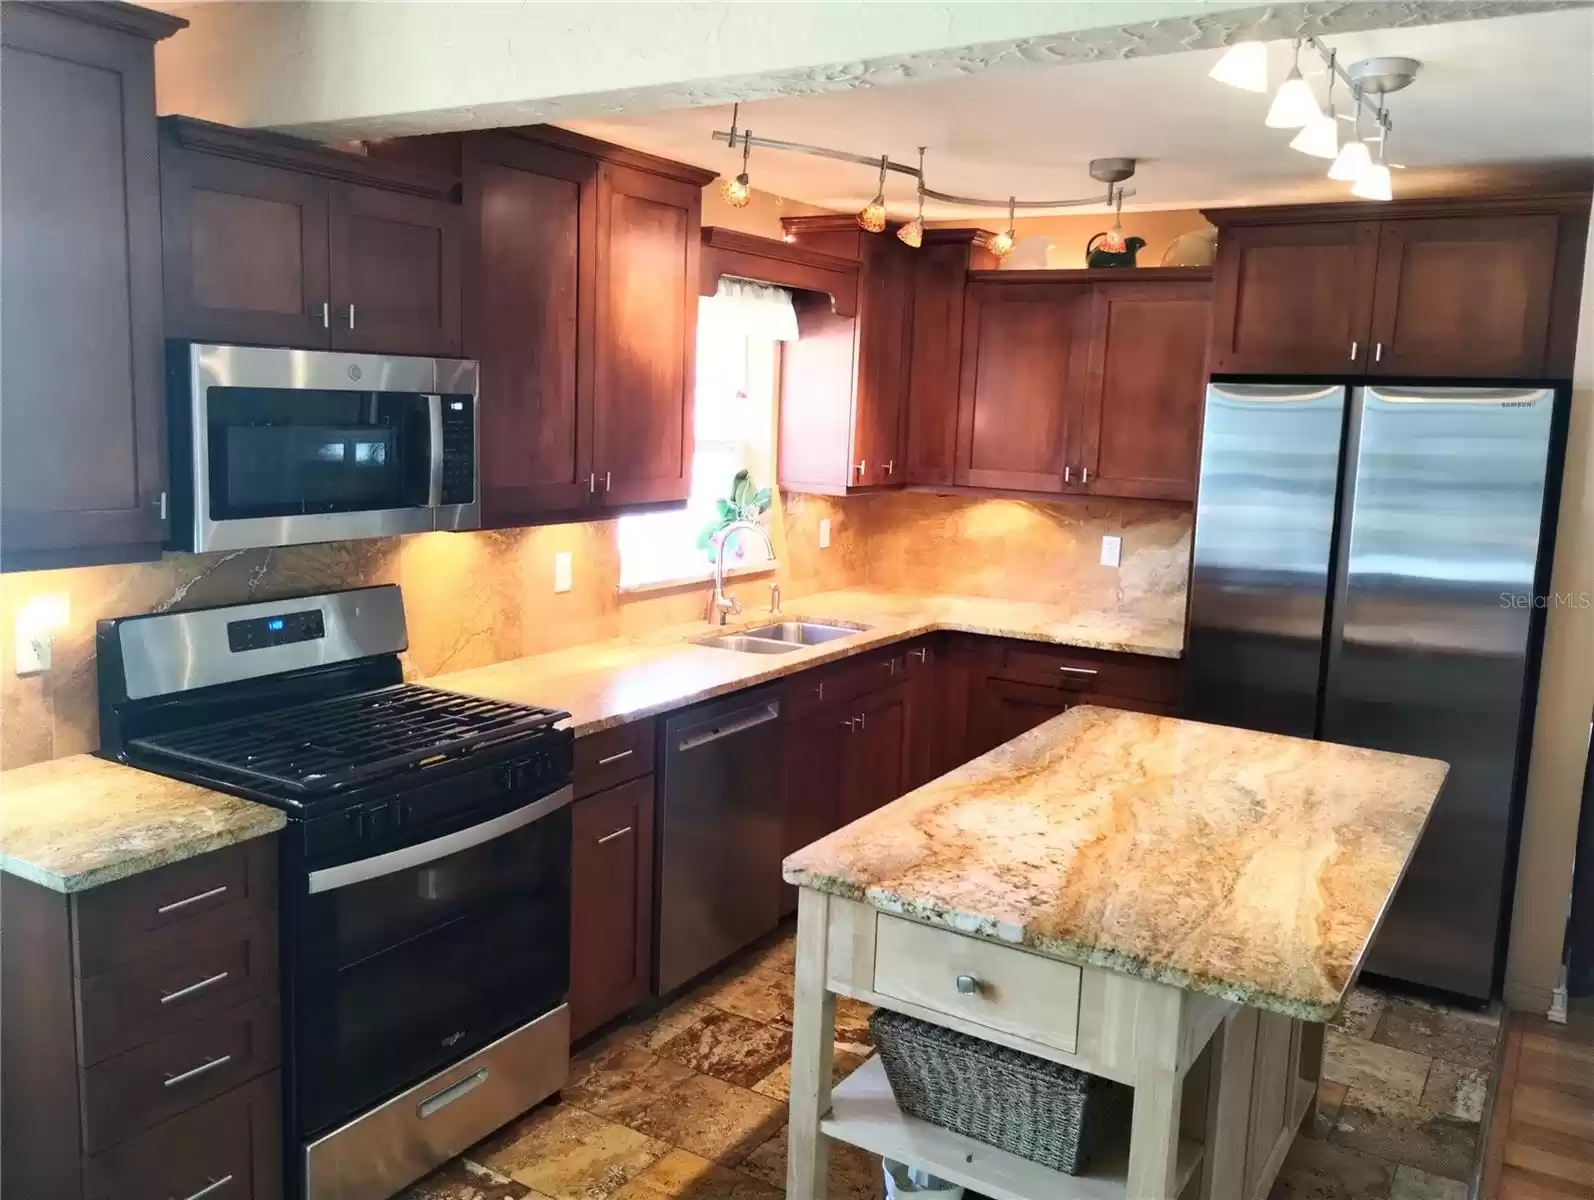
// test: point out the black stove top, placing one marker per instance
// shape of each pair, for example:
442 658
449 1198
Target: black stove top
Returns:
348 740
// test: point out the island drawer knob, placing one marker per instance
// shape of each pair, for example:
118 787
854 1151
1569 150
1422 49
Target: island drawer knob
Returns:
968 985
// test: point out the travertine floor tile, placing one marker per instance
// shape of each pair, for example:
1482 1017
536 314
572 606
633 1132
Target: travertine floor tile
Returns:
568 1154
1359 1015
777 1084
1455 1091
854 1174
755 993
1330 1096
1412 1184
1384 1078
1439 1145
1459 1037
730 1047
1317 1170
462 1180
683 1176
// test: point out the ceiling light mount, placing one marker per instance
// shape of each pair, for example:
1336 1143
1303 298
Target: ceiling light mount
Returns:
1380 76
1112 170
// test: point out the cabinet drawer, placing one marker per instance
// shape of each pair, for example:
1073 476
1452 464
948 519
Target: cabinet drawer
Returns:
1011 990
855 677
161 993
145 1086
132 917
614 756
1085 671
230 1145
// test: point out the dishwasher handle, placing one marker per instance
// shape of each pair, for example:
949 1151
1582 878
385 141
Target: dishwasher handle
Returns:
728 725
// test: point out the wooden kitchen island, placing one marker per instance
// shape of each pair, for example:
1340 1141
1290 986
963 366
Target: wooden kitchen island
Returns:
1175 906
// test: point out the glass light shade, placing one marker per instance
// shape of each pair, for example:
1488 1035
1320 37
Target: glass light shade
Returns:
736 192
1002 244
912 234
1293 104
1319 137
873 216
1243 65
1113 240
1373 184
1352 162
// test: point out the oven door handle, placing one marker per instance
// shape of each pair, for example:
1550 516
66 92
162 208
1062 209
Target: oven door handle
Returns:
434 433
330 878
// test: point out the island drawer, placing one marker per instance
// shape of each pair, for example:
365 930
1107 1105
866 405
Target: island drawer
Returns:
1129 675
978 982
614 756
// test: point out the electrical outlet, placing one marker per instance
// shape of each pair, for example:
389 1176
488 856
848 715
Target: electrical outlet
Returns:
824 533
1112 548
561 571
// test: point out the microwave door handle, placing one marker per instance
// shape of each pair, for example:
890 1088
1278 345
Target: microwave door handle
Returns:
434 426
329 879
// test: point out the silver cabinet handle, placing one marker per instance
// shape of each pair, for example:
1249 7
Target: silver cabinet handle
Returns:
441 1100
606 481
326 315
609 837
215 1185
1068 474
170 997
351 316
968 985
1378 352
863 720
195 1072
1353 348
177 904
852 724
819 691
1084 474
1078 670
922 654
592 484
614 758
890 463
861 465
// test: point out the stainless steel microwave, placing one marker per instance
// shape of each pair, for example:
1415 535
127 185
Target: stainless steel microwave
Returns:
281 447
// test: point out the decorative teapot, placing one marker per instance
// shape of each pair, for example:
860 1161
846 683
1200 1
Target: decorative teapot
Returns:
1108 255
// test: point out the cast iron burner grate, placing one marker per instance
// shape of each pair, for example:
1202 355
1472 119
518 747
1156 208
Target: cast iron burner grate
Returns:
331 744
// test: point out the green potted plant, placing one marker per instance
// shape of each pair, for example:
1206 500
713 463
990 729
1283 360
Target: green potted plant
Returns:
745 503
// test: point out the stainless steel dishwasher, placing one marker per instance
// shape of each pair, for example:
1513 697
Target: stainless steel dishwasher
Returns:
719 841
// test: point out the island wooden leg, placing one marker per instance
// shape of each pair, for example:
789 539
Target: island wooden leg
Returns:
1229 1107
1154 1136
812 1049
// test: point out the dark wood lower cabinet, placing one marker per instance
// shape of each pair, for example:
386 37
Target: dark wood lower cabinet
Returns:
874 752
611 908
811 783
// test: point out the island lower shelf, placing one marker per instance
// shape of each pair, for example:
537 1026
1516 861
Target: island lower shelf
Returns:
864 1113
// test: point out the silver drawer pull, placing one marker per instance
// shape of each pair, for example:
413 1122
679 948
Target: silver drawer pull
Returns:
1078 670
196 1072
614 758
441 1100
968 985
176 904
210 1189
168 997
609 837
922 654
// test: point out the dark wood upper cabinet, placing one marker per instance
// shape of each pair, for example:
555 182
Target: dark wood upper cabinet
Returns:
82 396
1463 296
1294 299
611 903
1140 420
1025 351
1471 288
395 272
646 332
274 241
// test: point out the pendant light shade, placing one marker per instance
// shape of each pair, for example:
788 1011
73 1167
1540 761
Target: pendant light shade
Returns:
912 234
872 217
1373 184
1319 137
1243 65
1002 244
736 192
1352 162
1293 105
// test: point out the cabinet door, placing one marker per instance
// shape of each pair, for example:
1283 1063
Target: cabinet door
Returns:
611 903
1294 299
874 752
1024 354
1005 708
395 265
245 250
1140 424
529 295
1463 296
82 396
935 350
646 336
926 733
811 783
885 307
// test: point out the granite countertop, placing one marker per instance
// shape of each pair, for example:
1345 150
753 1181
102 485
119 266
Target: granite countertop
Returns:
75 823
1245 865
608 683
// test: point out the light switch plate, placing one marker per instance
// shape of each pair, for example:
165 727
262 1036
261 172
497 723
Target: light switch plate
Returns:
1112 548
824 532
561 571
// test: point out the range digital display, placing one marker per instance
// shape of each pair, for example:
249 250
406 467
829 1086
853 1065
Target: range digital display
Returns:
280 629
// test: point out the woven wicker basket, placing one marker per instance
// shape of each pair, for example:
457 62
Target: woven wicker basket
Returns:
1039 1110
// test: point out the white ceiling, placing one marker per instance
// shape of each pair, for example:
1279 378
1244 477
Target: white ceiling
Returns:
1515 90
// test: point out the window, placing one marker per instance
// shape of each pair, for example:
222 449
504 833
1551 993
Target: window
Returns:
733 427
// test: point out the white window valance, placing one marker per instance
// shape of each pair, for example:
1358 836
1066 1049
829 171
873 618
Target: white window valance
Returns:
743 308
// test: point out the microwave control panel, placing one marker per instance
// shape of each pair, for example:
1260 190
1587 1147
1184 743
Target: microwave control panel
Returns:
459 449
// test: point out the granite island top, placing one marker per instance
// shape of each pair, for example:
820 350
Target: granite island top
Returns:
608 683
1245 865
74 823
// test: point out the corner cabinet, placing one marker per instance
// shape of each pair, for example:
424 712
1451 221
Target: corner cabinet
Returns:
1473 288
82 399
274 241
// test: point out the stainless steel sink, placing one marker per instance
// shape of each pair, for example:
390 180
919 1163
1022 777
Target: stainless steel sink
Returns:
782 637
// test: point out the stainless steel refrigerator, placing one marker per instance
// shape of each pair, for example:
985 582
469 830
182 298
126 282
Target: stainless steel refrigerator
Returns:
1369 566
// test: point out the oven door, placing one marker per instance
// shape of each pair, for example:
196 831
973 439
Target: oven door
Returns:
290 446
409 960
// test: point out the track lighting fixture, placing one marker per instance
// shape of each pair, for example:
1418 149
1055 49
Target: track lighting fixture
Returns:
1353 159
912 234
1293 104
873 216
1319 137
1243 65
1002 244
738 191
1374 182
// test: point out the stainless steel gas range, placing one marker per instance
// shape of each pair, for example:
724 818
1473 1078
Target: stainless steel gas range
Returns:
425 889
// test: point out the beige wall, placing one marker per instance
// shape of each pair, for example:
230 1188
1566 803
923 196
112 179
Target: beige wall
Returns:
1566 702
1068 235
761 216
